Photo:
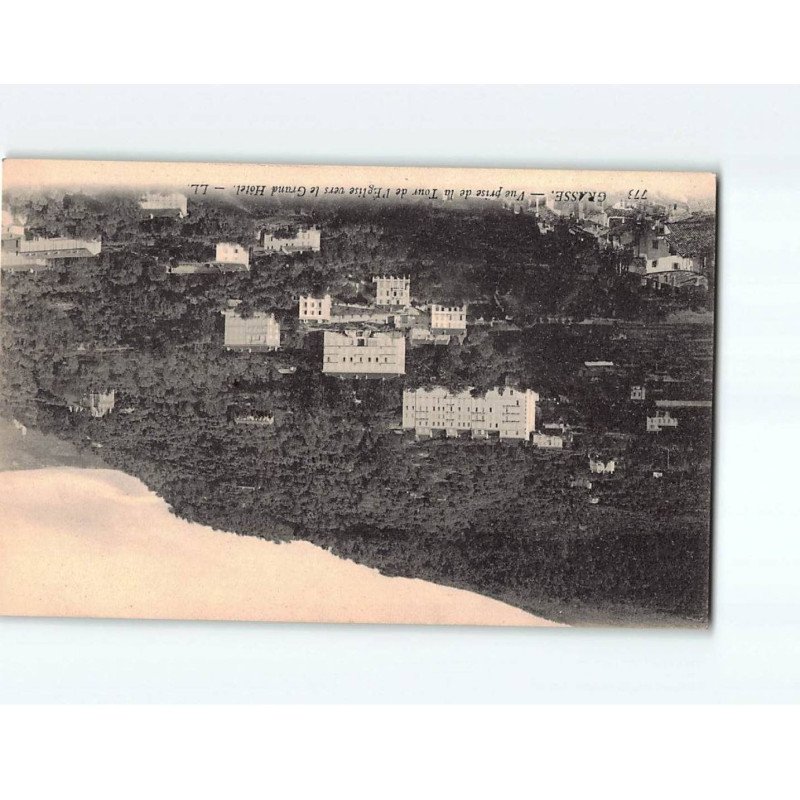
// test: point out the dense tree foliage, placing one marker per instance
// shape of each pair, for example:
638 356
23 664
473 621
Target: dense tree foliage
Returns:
500 518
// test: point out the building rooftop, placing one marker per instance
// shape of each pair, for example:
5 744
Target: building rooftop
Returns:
261 331
363 352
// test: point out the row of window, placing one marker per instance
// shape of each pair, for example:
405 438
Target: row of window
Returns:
359 359
450 408
435 427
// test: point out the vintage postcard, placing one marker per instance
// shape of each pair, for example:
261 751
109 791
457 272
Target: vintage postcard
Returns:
356 394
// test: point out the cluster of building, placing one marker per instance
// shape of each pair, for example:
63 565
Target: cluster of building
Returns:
653 259
20 254
392 299
175 204
503 413
369 352
324 310
370 340
663 417
349 352
641 227
234 257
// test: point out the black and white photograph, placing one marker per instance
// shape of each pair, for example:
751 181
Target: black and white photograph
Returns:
357 394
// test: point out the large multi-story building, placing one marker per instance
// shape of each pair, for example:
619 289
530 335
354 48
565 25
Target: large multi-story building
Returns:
316 309
392 291
259 332
18 254
448 318
364 353
504 412
231 253
670 270
161 204
304 239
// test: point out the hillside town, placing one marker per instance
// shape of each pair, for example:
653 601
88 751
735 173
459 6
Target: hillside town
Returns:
348 374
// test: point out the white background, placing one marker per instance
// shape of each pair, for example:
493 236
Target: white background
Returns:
750 136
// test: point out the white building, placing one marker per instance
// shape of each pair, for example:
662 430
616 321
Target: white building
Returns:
548 441
661 420
98 404
259 332
507 413
304 239
231 253
59 247
638 392
255 419
164 203
448 318
669 264
600 467
317 309
364 353
392 291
